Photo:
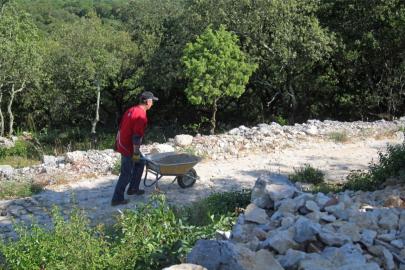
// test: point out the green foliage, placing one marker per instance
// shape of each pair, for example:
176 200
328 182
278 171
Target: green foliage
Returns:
307 174
70 244
216 205
150 237
117 167
390 164
18 189
325 188
21 148
281 120
339 137
216 67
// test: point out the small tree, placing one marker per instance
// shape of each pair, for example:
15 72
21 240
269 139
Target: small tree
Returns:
216 68
20 57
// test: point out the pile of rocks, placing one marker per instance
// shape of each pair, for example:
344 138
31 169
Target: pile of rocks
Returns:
285 228
269 137
238 142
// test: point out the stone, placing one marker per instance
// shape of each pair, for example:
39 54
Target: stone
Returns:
259 195
389 221
183 140
286 206
206 253
264 260
312 206
6 143
328 218
291 258
255 214
161 148
280 241
398 243
185 266
305 230
6 171
321 199
333 239
351 230
49 160
368 236
394 201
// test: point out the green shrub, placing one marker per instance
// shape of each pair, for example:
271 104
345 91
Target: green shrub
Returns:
307 174
21 148
340 137
151 236
390 164
18 189
117 167
70 244
215 206
281 120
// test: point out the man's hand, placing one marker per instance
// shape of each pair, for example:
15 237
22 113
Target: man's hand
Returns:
136 157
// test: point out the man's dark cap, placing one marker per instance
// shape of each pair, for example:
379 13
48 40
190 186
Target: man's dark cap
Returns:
148 95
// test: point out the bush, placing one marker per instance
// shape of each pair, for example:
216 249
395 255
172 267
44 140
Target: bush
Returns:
307 174
390 164
70 244
117 167
21 148
150 237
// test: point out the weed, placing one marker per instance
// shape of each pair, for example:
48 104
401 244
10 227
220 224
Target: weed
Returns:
307 174
18 189
338 137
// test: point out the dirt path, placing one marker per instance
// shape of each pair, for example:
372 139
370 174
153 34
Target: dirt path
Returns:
335 159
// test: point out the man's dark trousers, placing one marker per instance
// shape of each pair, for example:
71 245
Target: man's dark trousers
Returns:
131 172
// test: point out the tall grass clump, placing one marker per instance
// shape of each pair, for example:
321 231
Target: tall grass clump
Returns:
338 137
215 206
391 164
307 174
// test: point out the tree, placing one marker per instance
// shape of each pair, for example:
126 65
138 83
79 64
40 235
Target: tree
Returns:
217 68
20 57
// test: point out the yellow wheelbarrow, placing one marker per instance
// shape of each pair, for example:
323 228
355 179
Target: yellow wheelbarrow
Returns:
179 165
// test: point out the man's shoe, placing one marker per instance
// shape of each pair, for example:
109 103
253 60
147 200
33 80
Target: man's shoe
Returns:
115 203
135 192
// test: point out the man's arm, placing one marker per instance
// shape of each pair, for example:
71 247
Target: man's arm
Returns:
136 141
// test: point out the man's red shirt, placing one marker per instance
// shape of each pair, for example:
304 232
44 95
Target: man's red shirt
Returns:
133 123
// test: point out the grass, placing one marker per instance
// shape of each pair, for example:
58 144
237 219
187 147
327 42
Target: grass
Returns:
17 189
216 205
339 137
19 162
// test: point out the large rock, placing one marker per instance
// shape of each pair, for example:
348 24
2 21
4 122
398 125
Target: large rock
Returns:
6 143
305 230
161 148
271 188
185 266
281 241
223 255
183 140
6 171
75 157
255 214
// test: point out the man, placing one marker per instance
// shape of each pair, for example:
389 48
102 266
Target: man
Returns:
128 142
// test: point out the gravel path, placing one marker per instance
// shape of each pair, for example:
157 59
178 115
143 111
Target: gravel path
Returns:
94 195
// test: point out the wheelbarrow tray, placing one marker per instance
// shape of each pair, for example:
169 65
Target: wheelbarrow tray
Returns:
171 163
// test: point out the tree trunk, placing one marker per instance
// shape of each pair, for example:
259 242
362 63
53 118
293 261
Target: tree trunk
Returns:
10 104
293 102
1 116
97 117
213 118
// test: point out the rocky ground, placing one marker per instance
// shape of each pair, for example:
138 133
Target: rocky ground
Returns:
232 161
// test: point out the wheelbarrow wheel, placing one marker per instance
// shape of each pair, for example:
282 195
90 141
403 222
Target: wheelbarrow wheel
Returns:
188 179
